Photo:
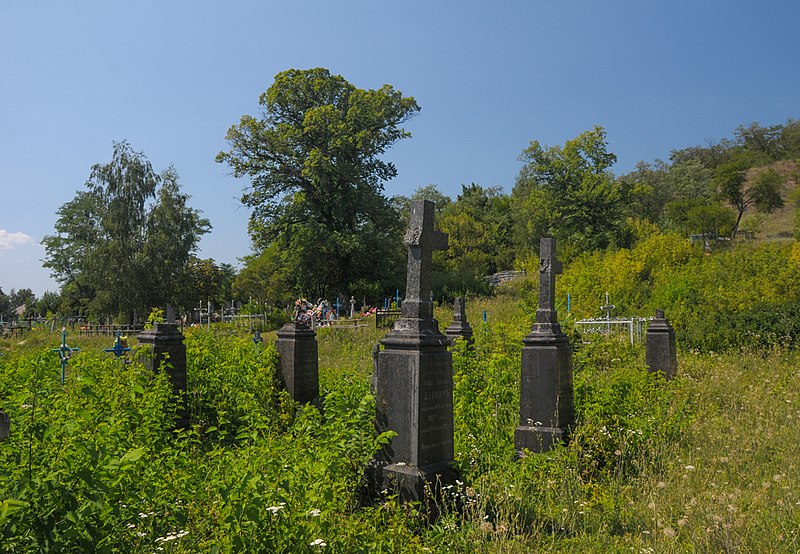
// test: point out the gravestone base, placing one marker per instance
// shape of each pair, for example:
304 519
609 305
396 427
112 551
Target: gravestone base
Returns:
425 485
168 353
546 394
458 329
297 347
414 398
660 347
5 425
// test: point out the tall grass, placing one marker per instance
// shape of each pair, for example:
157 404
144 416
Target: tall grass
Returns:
706 462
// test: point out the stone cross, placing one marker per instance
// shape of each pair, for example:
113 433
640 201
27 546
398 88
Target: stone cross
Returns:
549 267
421 241
352 306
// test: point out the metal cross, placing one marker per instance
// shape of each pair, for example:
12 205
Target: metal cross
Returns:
118 349
64 352
549 267
608 307
421 240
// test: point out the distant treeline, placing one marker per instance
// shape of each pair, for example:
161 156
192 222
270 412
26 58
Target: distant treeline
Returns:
322 227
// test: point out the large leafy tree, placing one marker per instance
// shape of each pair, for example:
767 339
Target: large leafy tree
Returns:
121 242
480 240
569 193
202 281
741 187
314 158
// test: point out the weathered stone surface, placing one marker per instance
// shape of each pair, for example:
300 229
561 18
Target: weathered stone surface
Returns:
546 392
421 240
168 353
5 425
297 347
414 383
459 327
661 348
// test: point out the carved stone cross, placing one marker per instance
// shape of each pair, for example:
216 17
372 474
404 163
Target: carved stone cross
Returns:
549 267
421 241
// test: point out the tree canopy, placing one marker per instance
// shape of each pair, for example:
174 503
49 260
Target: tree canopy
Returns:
121 242
569 193
314 159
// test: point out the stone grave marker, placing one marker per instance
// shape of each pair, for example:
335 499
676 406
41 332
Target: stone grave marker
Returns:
460 327
660 347
5 425
546 395
167 352
414 382
297 347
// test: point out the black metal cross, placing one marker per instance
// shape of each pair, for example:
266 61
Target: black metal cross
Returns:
421 240
549 267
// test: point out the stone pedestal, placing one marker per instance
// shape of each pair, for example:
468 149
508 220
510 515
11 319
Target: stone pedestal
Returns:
297 347
546 409
5 425
414 398
168 353
661 349
459 327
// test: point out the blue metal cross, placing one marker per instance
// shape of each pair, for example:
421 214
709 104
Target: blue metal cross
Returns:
64 352
118 349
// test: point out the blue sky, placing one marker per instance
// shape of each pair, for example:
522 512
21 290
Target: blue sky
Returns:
171 77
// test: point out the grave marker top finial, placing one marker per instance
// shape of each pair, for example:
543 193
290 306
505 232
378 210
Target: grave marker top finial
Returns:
421 240
549 267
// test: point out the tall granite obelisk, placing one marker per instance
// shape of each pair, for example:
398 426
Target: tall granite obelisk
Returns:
546 398
414 381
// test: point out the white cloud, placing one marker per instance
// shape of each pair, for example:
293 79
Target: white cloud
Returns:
10 240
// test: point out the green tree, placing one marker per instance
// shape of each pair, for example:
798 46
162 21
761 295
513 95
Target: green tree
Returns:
648 188
202 281
762 140
480 240
119 243
173 229
50 302
22 298
429 192
5 306
315 160
569 193
763 191
264 278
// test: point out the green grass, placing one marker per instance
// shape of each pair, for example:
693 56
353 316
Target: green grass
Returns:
704 463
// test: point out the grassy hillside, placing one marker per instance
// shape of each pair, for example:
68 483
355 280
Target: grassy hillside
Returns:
780 224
